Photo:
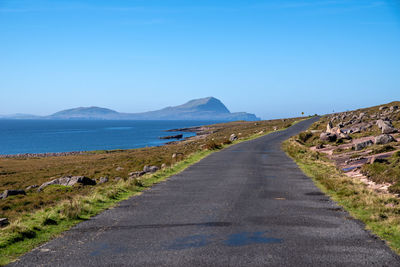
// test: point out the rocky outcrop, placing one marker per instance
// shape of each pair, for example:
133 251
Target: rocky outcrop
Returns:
384 139
68 181
8 193
362 145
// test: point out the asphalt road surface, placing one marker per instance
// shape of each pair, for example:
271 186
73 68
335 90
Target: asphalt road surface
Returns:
248 205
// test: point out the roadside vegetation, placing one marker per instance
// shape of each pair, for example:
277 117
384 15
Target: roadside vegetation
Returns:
35 217
327 161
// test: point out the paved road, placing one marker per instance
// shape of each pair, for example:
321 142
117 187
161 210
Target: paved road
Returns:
248 205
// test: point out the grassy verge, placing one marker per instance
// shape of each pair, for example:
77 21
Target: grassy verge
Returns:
379 211
38 227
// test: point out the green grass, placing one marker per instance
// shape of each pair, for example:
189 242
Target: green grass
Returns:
379 211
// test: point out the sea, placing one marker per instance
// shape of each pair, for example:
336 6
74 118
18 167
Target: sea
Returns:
49 136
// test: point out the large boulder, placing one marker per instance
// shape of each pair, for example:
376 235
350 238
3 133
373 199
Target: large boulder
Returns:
386 126
8 193
384 139
69 181
328 137
362 145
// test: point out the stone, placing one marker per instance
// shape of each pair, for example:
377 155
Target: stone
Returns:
176 155
68 181
388 129
384 139
320 146
329 127
103 180
393 108
233 137
362 145
151 169
137 174
344 136
4 222
382 108
328 137
163 166
119 168
8 193
31 187
386 126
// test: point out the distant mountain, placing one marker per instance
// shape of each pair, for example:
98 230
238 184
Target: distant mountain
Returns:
88 113
208 108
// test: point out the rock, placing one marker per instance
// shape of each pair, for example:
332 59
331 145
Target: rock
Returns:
68 181
362 145
31 187
178 136
371 160
275 128
175 155
344 136
119 168
320 146
381 123
151 169
4 222
163 166
384 139
386 126
117 179
233 137
328 137
382 108
137 174
388 129
8 193
103 180
393 108
329 127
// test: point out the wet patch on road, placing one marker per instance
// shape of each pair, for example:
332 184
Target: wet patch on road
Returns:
248 238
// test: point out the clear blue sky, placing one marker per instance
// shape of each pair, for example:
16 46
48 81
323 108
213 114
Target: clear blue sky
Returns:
271 58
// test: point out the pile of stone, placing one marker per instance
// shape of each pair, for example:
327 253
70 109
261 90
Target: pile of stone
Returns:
333 133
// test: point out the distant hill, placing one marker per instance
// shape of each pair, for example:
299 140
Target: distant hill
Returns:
208 108
86 113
